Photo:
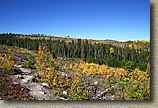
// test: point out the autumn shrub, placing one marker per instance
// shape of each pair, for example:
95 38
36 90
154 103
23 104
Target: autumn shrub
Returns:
76 90
53 54
112 91
129 66
7 63
30 64
138 86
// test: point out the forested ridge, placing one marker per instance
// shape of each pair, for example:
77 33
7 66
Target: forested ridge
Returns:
96 53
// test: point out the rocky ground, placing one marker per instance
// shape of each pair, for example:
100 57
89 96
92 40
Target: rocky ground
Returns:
41 91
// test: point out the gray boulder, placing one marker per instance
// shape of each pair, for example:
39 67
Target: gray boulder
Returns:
45 84
18 76
28 78
24 71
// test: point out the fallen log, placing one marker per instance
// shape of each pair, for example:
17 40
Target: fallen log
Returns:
99 96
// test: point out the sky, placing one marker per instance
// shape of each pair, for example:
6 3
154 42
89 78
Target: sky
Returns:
120 20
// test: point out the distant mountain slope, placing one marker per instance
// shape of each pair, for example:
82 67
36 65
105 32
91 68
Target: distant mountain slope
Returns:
109 40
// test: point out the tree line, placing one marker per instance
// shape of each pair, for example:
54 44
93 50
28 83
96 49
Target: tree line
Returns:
96 53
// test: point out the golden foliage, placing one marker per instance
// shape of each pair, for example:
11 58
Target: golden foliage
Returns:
7 62
111 50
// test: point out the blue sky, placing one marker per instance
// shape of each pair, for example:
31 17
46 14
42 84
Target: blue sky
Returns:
120 20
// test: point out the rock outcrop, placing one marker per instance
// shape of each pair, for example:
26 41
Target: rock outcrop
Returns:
26 79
